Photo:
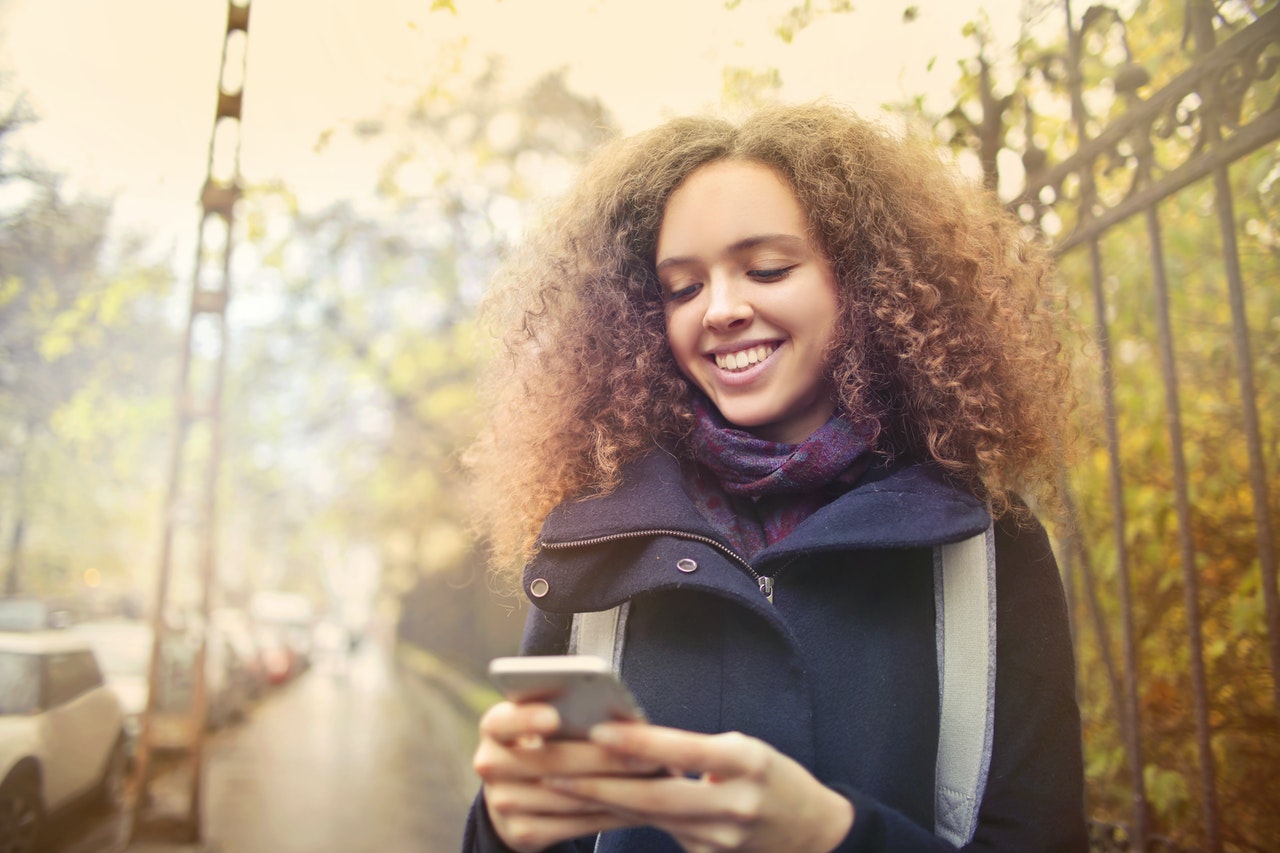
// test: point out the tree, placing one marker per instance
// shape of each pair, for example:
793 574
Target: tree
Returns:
353 395
82 354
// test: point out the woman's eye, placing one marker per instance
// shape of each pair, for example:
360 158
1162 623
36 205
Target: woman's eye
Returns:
770 275
680 294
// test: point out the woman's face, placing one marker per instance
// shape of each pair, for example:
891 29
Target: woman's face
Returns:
750 301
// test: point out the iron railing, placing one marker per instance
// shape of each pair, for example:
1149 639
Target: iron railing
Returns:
1219 111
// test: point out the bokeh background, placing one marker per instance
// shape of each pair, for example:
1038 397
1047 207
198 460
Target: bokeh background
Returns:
391 152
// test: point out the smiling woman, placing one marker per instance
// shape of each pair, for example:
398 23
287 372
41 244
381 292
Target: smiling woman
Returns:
766 384
751 304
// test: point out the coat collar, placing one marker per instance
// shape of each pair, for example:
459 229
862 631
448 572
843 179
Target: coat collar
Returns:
891 507
597 552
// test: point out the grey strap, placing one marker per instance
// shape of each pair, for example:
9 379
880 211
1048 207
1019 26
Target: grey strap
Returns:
965 593
600 633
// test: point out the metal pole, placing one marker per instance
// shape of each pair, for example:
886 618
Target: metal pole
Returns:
217 201
1202 29
1129 711
1186 545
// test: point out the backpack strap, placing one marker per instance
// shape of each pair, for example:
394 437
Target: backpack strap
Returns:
601 633
964 575
965 604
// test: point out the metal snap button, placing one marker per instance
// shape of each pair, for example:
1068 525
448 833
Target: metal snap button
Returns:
538 587
687 565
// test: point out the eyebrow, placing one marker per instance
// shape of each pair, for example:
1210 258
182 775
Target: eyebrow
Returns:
742 245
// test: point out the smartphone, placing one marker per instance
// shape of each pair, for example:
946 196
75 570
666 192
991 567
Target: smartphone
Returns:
582 688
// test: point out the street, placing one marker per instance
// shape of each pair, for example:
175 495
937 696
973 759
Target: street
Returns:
353 756
354 759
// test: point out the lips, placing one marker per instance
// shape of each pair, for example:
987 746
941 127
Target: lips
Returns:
744 358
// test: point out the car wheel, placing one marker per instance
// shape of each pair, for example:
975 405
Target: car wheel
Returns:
115 778
21 816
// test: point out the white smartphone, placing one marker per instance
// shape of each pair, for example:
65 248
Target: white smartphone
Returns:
583 689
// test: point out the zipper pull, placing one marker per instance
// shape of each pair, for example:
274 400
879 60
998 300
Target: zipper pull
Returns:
766 587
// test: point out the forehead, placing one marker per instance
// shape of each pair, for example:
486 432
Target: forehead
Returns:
727 201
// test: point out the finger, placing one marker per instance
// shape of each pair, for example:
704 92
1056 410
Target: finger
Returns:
528 832
510 798
531 817
509 722
494 760
650 800
720 756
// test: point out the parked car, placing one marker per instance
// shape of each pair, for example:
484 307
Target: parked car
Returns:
33 613
285 622
123 650
62 737
248 668
279 661
225 680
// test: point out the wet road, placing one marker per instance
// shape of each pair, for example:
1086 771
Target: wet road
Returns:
353 757
349 758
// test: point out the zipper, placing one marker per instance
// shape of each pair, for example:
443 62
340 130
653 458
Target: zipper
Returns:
764 582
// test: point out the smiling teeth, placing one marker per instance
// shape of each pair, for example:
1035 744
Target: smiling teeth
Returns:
744 358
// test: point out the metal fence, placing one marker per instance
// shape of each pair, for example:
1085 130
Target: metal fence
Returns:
1157 156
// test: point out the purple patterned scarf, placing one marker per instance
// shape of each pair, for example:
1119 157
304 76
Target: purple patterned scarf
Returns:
756 491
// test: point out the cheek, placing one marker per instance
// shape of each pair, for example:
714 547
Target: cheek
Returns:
830 317
829 335
679 336
682 343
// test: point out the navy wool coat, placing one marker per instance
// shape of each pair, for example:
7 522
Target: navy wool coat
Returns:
840 670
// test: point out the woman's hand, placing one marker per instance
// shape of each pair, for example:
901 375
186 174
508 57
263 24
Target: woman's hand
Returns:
724 792
513 759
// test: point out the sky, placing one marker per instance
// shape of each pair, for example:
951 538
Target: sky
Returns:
125 90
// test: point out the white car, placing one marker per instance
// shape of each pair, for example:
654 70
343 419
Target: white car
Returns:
123 652
62 735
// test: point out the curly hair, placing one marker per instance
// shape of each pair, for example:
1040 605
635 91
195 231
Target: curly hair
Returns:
946 347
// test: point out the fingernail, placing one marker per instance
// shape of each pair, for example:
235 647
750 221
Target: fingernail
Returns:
544 718
605 735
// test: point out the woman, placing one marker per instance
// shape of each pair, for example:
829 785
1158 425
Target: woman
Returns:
758 375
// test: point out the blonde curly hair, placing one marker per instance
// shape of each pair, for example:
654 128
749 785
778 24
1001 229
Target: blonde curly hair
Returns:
947 345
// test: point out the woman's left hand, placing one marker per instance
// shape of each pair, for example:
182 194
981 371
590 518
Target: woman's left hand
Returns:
724 792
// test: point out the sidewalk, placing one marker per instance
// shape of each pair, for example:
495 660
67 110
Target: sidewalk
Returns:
473 697
376 758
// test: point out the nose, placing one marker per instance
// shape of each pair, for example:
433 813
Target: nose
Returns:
727 305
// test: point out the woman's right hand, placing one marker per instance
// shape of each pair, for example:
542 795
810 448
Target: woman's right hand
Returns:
516 753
